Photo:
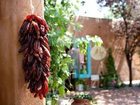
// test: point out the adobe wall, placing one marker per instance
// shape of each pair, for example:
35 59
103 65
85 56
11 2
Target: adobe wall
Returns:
102 28
13 90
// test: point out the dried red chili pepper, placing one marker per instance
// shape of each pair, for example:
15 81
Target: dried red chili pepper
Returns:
35 48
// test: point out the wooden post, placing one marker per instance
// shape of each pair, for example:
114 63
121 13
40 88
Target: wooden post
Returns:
13 89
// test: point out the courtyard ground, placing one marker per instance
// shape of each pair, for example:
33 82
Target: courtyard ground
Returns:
122 96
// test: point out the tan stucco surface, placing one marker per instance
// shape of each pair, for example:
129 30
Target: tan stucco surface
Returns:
12 86
103 28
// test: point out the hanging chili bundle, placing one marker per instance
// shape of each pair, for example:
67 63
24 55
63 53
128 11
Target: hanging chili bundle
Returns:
35 48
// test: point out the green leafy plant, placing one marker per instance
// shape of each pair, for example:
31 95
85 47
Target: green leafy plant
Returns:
83 96
79 81
110 77
59 14
82 42
83 70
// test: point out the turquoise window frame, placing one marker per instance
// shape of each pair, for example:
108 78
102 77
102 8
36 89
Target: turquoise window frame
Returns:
88 66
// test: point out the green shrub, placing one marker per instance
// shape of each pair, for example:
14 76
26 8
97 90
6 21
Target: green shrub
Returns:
110 78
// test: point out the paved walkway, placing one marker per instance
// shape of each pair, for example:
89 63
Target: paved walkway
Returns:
122 96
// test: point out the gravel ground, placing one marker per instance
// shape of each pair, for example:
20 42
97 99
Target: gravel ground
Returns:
122 96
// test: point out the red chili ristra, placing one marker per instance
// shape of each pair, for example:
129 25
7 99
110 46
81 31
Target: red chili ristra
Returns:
35 48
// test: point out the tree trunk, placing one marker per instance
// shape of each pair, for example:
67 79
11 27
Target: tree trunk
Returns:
129 63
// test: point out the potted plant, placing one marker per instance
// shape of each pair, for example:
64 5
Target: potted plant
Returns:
82 99
79 84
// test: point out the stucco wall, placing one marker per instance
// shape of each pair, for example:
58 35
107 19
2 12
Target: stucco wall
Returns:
12 85
102 28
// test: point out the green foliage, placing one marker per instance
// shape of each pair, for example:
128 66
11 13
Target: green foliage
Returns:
82 42
59 14
110 77
52 99
110 64
118 8
83 96
79 81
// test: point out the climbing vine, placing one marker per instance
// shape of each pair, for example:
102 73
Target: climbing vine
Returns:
59 15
